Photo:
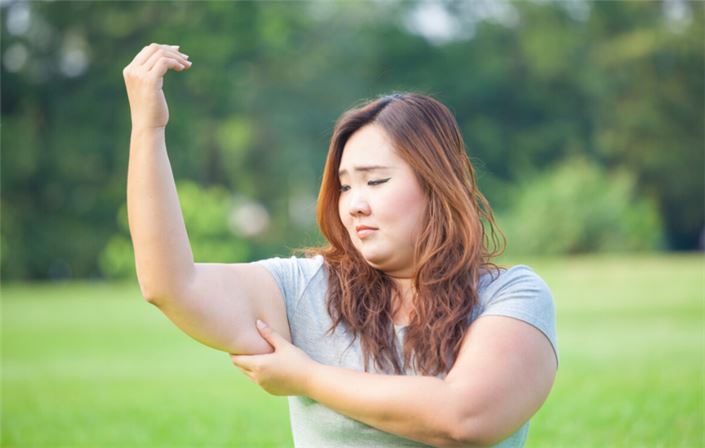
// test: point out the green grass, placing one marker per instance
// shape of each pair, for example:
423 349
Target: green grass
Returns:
95 365
631 340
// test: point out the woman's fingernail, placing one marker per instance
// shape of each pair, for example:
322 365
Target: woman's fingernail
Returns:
261 324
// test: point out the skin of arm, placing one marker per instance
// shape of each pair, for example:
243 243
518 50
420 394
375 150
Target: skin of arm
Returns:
421 408
468 408
163 256
215 303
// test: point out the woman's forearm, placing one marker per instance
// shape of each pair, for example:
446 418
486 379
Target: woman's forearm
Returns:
163 256
420 408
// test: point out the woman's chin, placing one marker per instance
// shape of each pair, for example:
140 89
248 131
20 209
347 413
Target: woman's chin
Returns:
387 263
376 260
371 257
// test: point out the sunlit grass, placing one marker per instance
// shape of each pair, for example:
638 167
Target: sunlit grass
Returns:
94 365
632 342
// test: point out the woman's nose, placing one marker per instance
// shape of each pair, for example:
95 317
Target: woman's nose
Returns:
359 206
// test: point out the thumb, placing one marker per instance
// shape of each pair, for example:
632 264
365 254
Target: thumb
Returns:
268 333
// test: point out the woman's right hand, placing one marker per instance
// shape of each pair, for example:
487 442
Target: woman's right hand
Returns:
144 78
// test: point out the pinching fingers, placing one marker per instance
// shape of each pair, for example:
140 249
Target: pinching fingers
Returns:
244 361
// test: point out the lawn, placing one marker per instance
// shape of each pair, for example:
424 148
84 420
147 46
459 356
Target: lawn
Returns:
93 364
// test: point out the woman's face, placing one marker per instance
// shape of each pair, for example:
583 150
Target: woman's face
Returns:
380 190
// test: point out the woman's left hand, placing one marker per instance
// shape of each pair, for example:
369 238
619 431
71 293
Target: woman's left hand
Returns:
284 372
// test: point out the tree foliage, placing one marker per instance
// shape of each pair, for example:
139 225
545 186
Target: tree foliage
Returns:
531 83
576 207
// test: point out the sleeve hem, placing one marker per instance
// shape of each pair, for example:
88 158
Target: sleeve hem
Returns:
529 320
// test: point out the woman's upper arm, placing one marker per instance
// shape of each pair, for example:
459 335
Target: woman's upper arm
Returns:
503 374
221 304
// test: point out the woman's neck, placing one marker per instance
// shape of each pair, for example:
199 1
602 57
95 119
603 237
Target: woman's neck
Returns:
403 302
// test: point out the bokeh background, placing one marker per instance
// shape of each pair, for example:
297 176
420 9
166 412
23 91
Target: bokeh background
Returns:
584 120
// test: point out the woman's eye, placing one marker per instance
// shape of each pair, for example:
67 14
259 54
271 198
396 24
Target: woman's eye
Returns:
377 182
344 188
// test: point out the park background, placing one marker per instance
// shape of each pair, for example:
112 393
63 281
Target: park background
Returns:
584 120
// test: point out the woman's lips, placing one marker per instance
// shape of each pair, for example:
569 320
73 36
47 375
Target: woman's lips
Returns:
364 233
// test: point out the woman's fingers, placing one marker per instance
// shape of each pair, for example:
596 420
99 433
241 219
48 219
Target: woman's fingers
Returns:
241 363
165 64
146 52
149 50
248 373
163 53
144 78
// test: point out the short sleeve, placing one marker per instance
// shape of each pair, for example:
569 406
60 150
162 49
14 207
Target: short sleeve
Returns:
520 293
292 275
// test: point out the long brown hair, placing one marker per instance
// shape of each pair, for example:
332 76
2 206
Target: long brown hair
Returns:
449 254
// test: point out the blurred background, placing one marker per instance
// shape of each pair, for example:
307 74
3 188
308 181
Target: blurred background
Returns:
587 115
584 120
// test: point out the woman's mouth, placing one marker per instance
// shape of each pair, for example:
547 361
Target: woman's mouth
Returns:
364 231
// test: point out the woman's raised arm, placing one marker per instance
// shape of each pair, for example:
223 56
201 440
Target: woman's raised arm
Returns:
216 304
162 251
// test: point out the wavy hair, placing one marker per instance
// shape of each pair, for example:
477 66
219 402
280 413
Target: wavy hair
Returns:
458 241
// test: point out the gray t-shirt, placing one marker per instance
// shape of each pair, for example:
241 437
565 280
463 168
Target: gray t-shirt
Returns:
517 292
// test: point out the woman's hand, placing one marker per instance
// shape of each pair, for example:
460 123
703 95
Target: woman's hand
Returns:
284 372
144 78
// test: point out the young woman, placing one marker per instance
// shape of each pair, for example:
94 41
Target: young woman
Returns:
399 332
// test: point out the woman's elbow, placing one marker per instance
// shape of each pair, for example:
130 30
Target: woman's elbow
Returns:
471 435
158 291
149 293
469 442
461 442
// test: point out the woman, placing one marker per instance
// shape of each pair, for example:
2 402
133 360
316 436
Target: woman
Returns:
404 333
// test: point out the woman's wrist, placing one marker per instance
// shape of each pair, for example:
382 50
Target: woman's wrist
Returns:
310 379
142 130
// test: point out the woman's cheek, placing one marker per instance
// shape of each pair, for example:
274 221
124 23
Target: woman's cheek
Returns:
406 206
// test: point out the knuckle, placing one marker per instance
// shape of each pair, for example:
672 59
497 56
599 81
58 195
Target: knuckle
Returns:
129 73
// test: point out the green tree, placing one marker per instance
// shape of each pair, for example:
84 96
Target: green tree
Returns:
620 82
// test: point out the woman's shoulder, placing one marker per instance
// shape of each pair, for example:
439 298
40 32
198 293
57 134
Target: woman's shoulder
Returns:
295 276
305 267
501 276
517 285
519 292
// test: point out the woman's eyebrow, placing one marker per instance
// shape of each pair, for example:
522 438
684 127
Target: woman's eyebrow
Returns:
365 168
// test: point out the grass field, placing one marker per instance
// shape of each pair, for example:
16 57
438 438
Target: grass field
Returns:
92 364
